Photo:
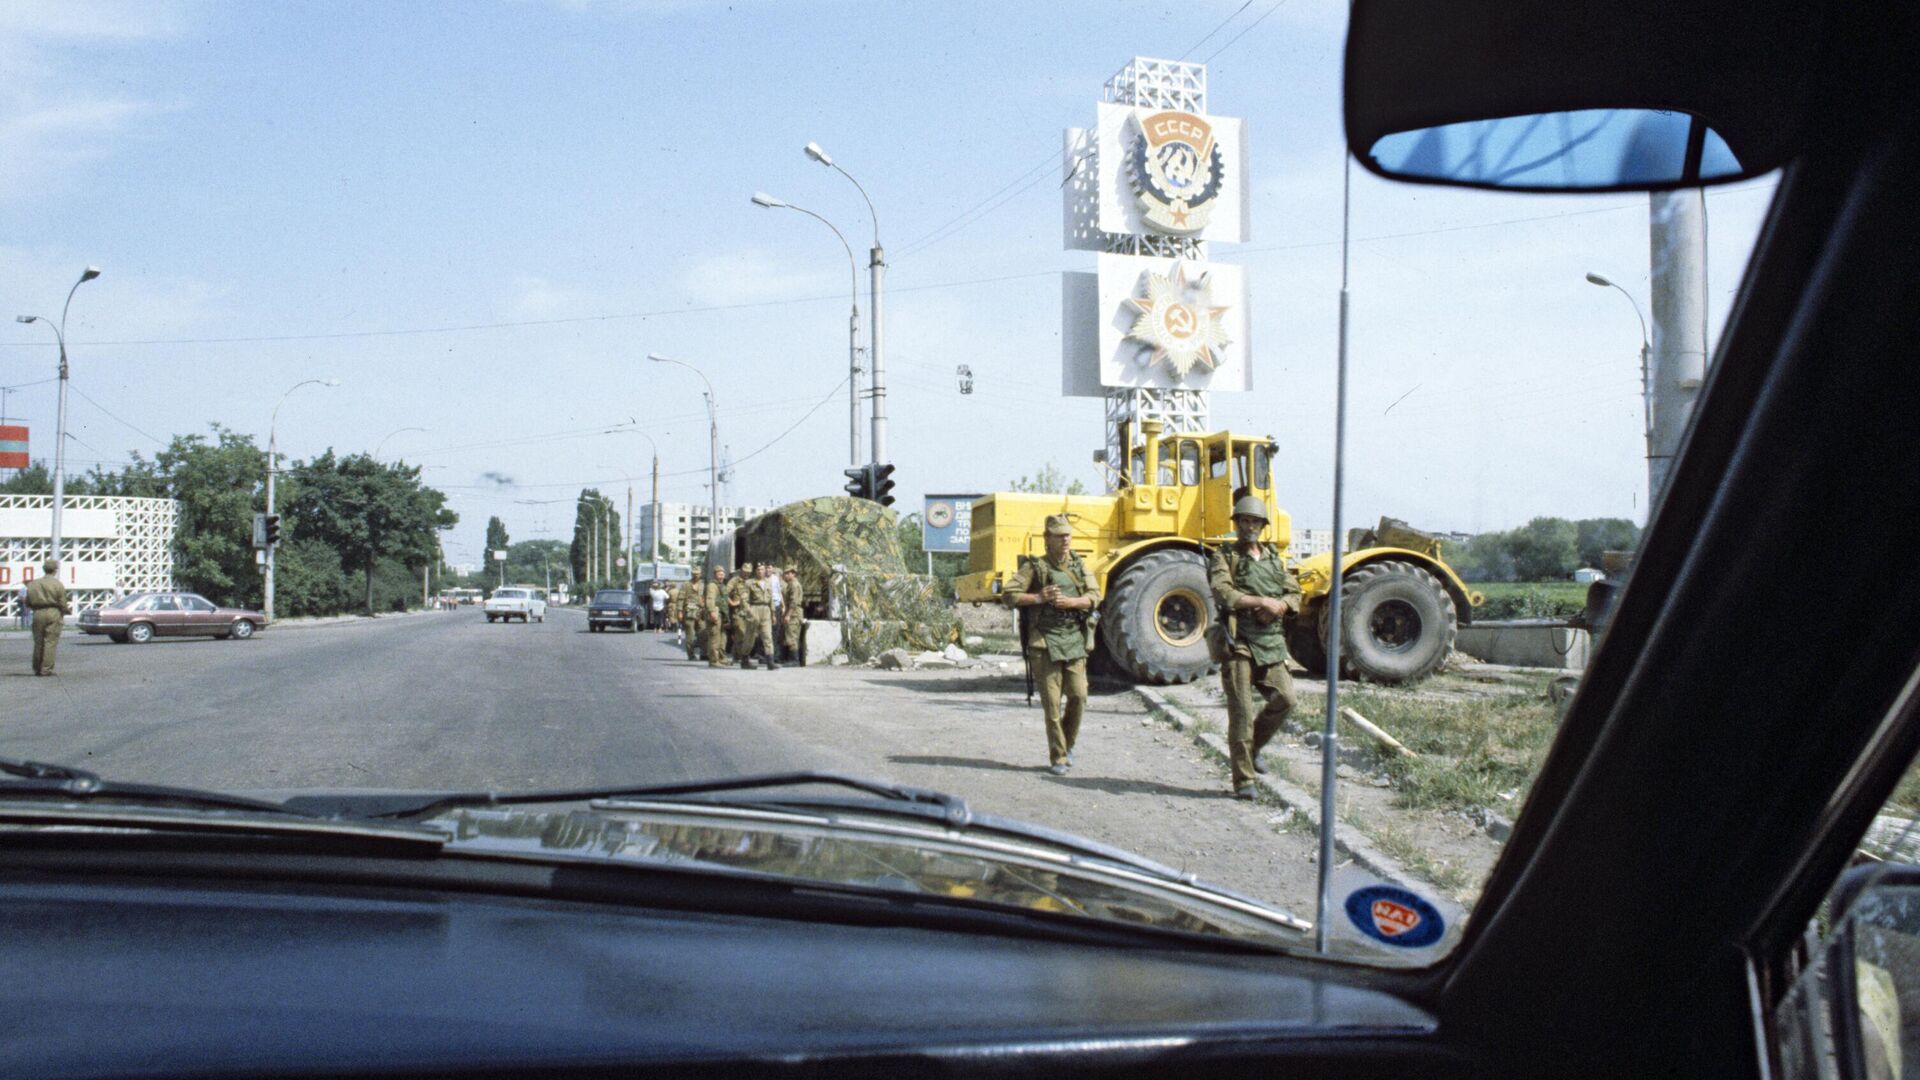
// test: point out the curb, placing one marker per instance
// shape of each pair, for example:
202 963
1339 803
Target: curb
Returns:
1346 839
341 620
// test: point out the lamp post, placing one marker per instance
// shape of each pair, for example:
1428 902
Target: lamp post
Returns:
713 448
877 270
389 435
761 198
273 468
60 425
628 477
653 507
1646 386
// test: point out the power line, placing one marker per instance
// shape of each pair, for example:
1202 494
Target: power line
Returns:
1243 33
156 440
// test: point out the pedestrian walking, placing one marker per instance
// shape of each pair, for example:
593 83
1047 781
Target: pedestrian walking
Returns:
23 612
713 616
796 615
1057 631
657 601
48 599
1254 591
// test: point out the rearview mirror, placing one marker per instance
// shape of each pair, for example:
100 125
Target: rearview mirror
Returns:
1851 1012
1541 95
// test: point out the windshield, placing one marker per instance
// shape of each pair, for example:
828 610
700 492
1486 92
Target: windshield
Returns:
953 505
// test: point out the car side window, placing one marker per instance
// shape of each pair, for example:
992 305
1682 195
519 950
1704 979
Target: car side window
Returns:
196 603
164 603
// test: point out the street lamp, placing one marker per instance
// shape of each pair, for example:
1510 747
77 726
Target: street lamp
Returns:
761 198
60 426
628 477
273 468
713 447
876 269
1646 386
653 538
389 435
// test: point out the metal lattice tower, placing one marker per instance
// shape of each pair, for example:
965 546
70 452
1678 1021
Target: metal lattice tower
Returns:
1154 84
141 548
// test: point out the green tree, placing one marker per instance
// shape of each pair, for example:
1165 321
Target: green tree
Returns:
1597 535
1486 557
37 479
1049 480
530 560
947 565
496 537
220 483
1544 549
367 511
594 521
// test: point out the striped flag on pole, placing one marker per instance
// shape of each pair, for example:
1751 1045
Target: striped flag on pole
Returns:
13 447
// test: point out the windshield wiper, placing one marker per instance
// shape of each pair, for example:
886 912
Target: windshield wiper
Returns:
952 808
40 778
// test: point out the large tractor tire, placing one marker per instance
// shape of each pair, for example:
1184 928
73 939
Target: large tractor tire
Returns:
1307 639
1155 618
1398 623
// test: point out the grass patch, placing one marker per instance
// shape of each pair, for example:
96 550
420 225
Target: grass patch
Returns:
1529 599
1444 875
1472 750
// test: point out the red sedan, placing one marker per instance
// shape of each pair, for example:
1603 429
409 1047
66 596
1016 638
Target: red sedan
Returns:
143 616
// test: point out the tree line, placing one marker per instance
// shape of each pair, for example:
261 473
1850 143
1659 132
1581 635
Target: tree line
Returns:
1544 549
356 534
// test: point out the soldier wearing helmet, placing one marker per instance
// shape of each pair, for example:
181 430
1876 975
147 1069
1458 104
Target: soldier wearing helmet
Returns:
1063 597
1254 591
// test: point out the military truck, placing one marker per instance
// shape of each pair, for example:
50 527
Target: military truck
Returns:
1147 544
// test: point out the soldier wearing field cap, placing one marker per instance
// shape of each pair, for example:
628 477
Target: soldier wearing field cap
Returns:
796 615
48 600
1254 591
1063 598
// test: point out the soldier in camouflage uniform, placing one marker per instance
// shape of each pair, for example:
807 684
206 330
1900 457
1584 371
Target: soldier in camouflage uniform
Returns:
1064 596
713 611
1255 591
796 614
740 629
686 611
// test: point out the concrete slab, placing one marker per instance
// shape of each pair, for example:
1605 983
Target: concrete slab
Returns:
1534 643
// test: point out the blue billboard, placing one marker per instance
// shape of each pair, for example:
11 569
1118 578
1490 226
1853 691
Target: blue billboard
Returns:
946 523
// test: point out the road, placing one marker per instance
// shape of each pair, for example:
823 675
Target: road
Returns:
446 700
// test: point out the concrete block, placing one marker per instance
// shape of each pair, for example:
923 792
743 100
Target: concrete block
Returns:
1536 643
822 637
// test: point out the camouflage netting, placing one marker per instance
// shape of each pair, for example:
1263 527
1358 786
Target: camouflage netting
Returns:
885 605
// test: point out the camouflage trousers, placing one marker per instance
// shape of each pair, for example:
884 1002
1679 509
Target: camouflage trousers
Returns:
1248 731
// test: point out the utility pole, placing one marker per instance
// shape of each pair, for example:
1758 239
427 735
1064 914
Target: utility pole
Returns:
877 271
1677 235
653 539
629 528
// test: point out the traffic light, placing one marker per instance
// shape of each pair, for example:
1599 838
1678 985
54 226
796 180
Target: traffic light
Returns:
882 485
273 529
859 482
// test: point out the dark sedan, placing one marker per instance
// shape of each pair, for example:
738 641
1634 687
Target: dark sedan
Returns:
614 607
144 616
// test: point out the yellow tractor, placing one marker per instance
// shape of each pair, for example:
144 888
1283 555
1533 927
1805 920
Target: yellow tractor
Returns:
1146 545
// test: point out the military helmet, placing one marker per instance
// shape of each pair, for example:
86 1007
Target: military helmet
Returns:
1058 525
1250 506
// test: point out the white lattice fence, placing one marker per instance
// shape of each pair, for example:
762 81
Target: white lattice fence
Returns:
138 546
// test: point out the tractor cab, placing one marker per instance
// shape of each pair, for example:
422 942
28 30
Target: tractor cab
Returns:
1185 483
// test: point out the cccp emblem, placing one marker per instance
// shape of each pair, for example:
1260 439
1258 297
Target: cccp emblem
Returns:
1176 171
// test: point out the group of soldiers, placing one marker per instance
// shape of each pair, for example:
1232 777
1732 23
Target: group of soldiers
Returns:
731 619
1253 592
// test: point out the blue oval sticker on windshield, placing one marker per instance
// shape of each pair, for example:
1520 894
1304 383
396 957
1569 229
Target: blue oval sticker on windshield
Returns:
1393 916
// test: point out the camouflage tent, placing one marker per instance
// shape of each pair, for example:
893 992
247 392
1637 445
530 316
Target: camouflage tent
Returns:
883 603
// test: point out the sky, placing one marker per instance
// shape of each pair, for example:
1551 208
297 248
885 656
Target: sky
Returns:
481 217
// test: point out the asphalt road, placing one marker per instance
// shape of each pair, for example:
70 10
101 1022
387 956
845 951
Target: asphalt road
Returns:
446 700
428 701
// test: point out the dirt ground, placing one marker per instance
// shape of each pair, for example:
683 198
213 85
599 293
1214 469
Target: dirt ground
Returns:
1136 784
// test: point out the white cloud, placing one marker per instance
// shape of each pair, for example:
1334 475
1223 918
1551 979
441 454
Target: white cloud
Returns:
51 123
751 277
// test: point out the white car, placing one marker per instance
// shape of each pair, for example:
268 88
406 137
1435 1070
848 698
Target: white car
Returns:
522 604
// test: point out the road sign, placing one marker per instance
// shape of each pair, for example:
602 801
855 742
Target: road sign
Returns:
621 563
499 556
946 523
13 446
